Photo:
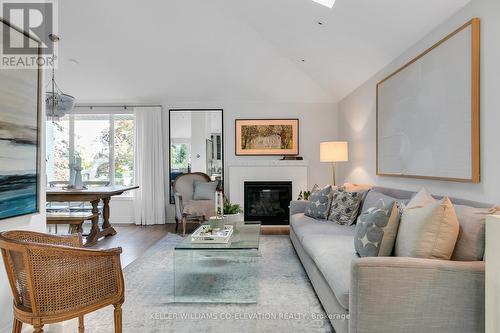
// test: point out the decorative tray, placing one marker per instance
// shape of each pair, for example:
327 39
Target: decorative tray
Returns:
205 235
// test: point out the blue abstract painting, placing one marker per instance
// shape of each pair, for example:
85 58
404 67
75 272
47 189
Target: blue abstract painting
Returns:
19 142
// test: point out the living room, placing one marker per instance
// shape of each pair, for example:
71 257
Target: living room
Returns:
253 166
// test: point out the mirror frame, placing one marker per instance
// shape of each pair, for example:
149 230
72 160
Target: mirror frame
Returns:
170 144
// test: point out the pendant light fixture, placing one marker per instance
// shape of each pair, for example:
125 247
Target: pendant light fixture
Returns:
57 103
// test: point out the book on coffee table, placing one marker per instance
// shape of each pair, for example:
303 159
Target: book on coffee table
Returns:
205 235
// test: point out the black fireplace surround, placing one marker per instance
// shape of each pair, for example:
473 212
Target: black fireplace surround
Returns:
268 202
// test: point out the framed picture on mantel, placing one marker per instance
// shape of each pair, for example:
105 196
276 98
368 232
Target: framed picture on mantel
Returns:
266 137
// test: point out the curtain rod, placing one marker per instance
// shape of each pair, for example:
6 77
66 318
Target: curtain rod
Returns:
124 106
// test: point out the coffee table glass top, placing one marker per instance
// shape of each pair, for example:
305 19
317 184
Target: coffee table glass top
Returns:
245 237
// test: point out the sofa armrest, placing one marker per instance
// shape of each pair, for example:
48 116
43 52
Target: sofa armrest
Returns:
416 295
298 206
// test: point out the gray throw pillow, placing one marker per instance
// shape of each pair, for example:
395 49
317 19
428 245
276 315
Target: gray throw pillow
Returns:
345 206
204 190
470 241
373 197
376 230
319 203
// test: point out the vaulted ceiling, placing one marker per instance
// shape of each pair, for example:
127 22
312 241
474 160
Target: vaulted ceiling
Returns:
175 51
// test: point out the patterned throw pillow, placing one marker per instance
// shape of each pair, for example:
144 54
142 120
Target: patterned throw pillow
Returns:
376 230
319 203
345 206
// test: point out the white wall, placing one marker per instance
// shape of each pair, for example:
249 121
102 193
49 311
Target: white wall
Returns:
318 122
357 113
34 222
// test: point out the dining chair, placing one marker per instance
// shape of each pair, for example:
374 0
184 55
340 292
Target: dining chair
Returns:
54 279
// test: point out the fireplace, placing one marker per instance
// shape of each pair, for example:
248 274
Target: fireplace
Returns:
268 202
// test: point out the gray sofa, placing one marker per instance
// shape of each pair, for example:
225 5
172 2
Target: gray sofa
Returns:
394 294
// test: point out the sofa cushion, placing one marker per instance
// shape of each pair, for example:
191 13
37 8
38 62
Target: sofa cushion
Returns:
304 225
376 230
428 232
200 208
345 206
333 256
470 242
319 203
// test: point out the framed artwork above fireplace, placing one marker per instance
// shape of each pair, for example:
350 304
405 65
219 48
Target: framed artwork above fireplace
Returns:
266 137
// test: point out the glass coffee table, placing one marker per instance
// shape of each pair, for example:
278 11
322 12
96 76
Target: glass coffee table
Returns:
219 273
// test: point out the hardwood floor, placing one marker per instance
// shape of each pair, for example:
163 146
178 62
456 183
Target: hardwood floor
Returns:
135 240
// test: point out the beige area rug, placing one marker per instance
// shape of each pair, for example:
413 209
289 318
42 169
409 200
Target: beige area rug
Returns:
287 302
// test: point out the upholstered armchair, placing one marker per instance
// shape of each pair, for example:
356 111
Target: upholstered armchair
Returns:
187 209
54 279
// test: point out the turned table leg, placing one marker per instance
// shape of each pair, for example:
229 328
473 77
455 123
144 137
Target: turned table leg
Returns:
105 213
107 229
93 236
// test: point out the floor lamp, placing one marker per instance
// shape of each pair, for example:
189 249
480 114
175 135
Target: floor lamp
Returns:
333 152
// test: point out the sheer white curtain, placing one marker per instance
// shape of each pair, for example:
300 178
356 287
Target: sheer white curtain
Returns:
149 204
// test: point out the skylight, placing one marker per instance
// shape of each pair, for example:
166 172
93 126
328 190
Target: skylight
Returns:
326 3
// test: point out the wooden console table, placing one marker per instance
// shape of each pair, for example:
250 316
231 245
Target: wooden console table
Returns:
93 195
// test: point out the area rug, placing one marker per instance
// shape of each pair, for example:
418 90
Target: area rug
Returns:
287 302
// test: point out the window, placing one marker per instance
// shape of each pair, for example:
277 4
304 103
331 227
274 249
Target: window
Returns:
104 142
179 157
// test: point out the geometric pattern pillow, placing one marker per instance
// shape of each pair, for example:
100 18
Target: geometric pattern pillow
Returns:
376 230
345 206
319 203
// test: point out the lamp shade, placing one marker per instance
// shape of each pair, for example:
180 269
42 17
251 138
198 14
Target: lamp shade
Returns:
334 151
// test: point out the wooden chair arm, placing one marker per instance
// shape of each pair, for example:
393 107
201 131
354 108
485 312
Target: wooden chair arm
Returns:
41 238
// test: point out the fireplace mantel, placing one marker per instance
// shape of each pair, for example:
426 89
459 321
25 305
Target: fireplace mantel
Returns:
266 163
243 170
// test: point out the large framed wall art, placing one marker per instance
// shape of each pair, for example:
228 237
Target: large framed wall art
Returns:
20 97
428 112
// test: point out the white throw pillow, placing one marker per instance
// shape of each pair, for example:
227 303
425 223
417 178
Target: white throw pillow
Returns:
428 232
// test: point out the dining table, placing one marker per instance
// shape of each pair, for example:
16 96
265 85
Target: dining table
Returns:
94 195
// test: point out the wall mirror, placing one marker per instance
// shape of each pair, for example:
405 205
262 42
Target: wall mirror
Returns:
196 143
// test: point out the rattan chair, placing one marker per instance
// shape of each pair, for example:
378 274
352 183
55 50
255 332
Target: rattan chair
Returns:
54 279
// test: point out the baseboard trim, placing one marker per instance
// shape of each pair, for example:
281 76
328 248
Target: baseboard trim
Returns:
123 220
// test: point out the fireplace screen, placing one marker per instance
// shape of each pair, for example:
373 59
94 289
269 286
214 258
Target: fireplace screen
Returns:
268 202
